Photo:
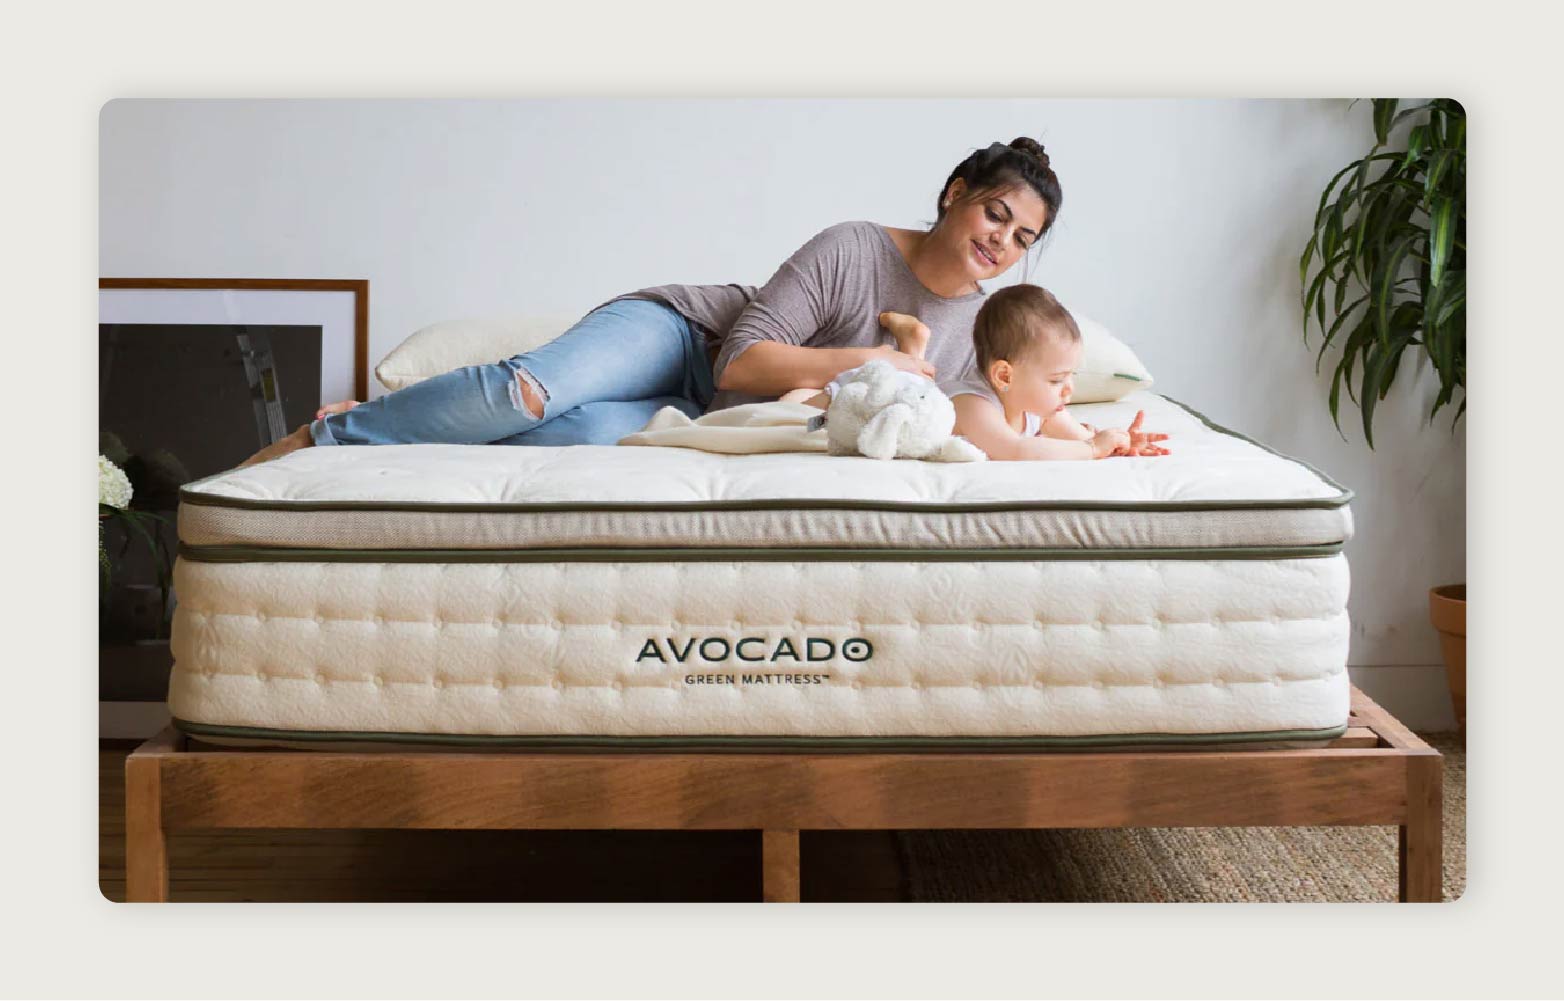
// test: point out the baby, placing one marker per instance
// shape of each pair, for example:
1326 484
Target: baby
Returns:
1027 348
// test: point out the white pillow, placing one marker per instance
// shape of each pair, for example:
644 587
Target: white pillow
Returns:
441 347
1109 370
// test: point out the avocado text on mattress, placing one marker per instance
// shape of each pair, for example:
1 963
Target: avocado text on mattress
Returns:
780 653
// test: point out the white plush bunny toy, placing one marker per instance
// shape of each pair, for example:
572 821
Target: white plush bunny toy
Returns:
885 413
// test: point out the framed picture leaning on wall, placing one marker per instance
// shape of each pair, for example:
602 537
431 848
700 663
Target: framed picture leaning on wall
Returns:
226 366
194 376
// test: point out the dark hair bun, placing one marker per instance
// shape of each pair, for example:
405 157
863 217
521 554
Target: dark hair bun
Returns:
1032 148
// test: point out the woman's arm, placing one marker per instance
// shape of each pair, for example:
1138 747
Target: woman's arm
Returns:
771 368
983 424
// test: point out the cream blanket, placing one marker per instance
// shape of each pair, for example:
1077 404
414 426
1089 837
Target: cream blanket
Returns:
754 428
743 430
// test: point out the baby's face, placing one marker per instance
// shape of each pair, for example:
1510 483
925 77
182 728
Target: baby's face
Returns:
1042 380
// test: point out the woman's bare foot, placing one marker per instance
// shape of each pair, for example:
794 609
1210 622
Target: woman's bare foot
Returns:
335 408
798 395
282 446
912 335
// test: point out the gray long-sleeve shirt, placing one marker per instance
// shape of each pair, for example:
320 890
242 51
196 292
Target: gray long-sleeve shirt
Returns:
829 294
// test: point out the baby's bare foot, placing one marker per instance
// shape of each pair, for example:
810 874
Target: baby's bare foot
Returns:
282 446
335 408
912 335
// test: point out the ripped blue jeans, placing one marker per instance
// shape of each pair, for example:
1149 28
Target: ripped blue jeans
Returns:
602 379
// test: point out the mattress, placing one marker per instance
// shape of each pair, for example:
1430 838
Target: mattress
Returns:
656 597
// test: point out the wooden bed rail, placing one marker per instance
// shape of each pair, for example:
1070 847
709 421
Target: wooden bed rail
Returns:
1378 773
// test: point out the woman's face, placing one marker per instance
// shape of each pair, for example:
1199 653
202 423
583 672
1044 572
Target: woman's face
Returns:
991 232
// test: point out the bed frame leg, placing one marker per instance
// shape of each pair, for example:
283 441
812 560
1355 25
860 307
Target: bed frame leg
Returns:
146 850
1422 836
779 866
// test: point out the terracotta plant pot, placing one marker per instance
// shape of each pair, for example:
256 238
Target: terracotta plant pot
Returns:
1447 609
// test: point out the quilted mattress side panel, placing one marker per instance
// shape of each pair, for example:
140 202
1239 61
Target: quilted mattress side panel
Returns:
1057 648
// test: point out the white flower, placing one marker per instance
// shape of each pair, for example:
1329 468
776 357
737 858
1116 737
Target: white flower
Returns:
113 484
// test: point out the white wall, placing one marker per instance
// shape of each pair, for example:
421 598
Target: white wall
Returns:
1181 230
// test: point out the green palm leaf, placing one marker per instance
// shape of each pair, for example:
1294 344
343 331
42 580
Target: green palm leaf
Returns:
1303 280
1384 282
1454 298
1385 261
1335 327
1437 165
1379 369
1384 114
1409 112
1442 219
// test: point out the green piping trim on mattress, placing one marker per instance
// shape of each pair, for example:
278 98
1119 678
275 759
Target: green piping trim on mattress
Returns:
189 494
774 504
574 742
731 554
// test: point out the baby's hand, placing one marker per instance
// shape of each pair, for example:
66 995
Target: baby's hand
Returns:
1109 441
1141 442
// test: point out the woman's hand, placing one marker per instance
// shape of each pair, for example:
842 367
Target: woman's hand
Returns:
903 361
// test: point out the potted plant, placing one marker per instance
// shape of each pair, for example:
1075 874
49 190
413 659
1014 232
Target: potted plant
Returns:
1388 261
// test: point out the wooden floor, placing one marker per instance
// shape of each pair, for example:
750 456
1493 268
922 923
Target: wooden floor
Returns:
318 865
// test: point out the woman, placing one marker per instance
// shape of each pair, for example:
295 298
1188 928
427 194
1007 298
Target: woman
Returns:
696 347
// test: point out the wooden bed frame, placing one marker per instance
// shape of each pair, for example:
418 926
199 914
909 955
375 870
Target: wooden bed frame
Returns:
1378 773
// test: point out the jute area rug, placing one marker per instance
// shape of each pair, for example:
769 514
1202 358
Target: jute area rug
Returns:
1325 864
